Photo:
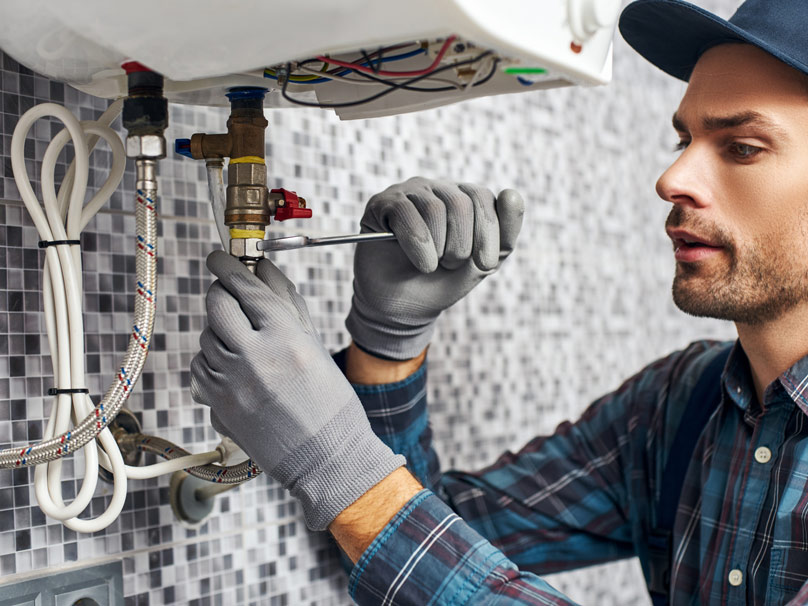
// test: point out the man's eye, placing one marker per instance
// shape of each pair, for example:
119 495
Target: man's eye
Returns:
743 151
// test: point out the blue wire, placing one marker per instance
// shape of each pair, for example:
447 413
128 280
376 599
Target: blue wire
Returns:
401 56
348 71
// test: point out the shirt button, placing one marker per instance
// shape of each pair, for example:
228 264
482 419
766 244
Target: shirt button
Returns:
738 389
735 577
763 455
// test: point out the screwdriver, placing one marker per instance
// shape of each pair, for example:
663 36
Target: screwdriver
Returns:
292 242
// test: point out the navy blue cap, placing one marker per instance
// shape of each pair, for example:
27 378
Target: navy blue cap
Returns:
673 34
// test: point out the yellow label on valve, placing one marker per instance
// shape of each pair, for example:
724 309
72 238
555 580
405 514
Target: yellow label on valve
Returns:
237 234
247 160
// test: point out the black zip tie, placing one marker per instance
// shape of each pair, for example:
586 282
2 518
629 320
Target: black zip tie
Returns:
46 243
55 392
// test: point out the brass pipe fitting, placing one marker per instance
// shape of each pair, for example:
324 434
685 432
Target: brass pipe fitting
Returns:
247 196
246 128
248 204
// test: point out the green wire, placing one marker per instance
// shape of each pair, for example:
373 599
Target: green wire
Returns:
524 70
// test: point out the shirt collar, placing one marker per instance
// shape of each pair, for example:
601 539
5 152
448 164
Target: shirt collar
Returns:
795 383
792 384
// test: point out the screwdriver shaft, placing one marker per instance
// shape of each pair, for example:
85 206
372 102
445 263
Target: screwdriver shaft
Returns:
292 242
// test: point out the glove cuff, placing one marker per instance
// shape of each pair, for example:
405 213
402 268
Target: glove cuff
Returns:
336 466
393 343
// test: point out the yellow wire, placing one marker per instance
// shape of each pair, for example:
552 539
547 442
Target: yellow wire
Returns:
324 68
296 78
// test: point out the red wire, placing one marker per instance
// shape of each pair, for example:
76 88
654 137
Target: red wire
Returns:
369 70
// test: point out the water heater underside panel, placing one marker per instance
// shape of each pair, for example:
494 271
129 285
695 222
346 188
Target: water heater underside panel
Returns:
84 42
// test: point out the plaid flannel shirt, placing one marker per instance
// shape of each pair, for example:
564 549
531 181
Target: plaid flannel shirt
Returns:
586 495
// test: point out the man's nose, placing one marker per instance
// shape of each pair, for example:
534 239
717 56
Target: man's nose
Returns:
685 181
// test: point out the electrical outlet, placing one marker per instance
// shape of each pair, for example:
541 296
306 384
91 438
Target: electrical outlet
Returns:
96 586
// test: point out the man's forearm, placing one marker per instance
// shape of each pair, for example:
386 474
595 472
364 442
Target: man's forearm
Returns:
357 526
366 369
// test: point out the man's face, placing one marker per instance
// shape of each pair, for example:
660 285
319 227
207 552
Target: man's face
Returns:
739 189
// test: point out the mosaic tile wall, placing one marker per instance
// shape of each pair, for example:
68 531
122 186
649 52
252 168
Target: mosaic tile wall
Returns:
582 303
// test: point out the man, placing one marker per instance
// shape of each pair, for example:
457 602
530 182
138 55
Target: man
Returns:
592 491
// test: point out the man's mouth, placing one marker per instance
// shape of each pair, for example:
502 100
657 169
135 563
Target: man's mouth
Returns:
689 247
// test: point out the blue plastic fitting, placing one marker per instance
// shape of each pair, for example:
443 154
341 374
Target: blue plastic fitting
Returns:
246 92
183 147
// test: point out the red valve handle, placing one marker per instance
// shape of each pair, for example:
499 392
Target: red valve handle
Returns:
291 208
133 66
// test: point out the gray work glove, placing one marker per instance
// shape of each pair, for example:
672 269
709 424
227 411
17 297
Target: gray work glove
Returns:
448 238
275 390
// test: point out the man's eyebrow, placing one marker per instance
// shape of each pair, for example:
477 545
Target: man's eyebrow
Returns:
751 118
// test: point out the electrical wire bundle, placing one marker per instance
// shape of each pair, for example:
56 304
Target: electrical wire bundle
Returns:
368 71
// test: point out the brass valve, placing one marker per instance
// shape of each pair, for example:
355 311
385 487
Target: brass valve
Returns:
248 204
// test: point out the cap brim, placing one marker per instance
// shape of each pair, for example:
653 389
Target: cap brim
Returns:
673 34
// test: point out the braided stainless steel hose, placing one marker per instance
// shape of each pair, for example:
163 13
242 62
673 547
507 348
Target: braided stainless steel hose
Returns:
59 218
218 474
134 359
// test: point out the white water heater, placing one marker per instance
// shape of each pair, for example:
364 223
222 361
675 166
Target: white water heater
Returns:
204 47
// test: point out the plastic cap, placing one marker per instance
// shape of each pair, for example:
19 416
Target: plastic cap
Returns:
246 92
133 66
183 147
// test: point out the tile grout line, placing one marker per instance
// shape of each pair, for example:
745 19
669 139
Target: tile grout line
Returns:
84 563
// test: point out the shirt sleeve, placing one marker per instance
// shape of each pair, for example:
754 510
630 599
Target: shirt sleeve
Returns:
801 599
559 503
398 415
428 555
564 501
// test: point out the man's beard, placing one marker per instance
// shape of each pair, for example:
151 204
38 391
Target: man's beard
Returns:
760 283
